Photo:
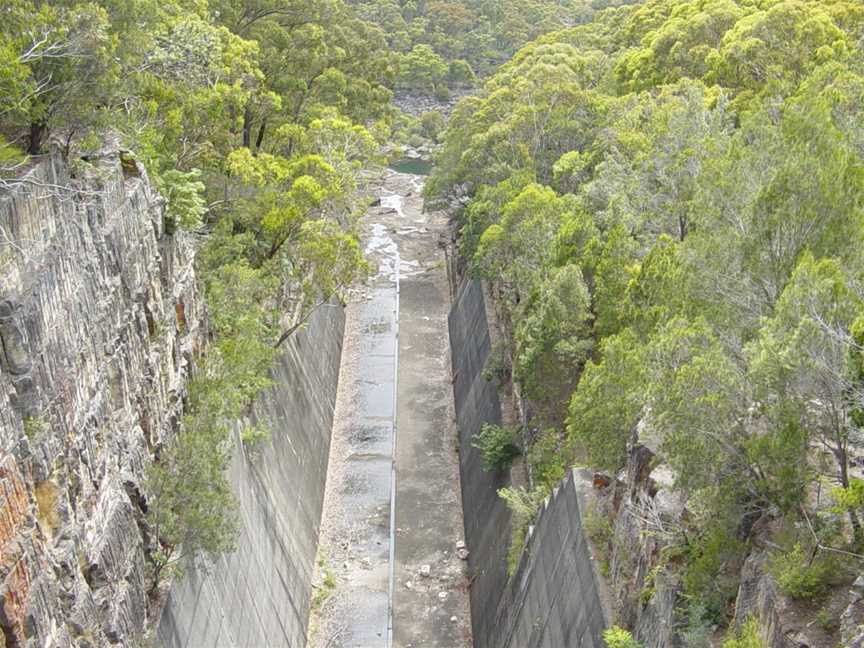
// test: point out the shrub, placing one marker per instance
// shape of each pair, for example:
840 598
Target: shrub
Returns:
547 459
746 637
442 92
192 512
827 620
497 367
798 576
616 637
460 73
599 530
432 124
706 577
184 193
253 436
35 428
498 445
697 630
523 505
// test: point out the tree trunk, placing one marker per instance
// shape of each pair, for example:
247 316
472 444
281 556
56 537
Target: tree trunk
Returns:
247 126
260 139
682 228
38 131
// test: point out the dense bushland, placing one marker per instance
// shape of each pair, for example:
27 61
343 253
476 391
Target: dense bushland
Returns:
441 44
668 201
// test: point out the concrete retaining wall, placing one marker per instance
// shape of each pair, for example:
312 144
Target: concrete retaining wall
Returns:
487 519
552 599
260 595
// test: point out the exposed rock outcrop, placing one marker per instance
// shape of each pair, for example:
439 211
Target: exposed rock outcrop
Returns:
93 363
647 515
645 598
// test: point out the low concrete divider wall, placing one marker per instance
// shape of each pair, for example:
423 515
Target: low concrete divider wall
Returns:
260 594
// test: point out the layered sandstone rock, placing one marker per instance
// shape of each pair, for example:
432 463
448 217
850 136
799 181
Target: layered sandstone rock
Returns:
98 323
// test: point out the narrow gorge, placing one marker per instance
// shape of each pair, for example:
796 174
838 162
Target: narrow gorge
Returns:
397 439
432 323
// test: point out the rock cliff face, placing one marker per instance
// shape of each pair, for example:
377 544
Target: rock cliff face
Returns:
99 318
644 598
647 595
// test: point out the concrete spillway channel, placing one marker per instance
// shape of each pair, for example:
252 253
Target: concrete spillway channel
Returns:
388 571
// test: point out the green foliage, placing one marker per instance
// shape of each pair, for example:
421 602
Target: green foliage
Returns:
422 68
553 339
498 446
497 366
608 402
325 589
827 620
191 510
708 579
600 531
697 628
58 67
523 505
548 459
469 34
184 193
432 123
10 156
35 428
850 498
747 636
442 93
253 436
253 118
617 637
801 575
697 166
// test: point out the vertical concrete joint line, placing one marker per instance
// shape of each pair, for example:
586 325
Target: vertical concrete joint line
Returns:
392 567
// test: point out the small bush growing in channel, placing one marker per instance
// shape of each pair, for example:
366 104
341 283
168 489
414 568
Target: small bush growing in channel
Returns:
616 637
746 637
523 505
498 445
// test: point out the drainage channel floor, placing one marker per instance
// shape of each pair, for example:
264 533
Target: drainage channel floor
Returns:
385 580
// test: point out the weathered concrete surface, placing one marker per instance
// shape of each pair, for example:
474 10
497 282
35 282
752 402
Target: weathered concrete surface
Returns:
260 595
487 519
552 599
356 543
99 318
429 610
355 539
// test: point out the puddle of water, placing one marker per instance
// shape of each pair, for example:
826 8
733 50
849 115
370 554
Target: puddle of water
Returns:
413 166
